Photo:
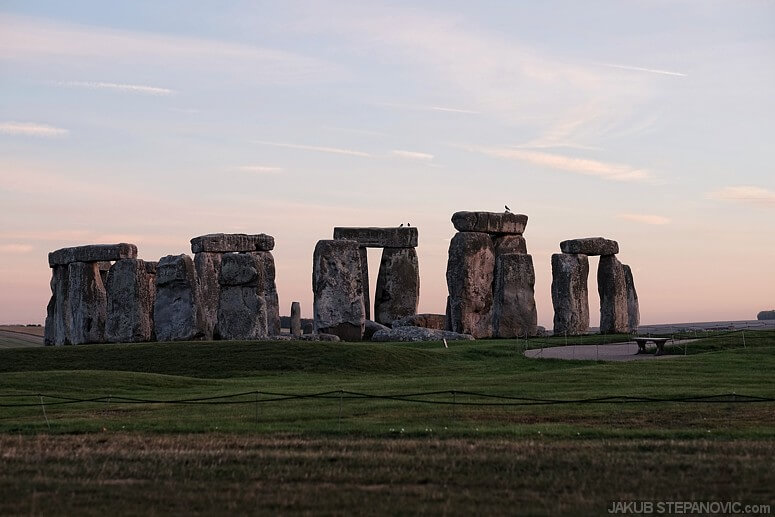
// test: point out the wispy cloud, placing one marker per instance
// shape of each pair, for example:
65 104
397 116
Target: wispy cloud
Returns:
260 169
745 194
316 148
412 155
415 107
644 218
126 88
640 69
31 129
603 170
16 248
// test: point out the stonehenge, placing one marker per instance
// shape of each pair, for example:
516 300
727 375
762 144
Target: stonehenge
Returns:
619 308
398 281
104 293
490 276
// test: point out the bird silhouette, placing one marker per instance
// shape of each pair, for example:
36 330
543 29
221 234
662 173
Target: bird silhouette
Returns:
409 224
507 208
400 225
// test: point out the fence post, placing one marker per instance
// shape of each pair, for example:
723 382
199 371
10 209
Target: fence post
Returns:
743 338
341 394
42 405
256 393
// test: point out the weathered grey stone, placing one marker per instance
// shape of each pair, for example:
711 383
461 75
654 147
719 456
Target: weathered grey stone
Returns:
177 310
469 279
370 237
514 308
570 296
296 319
370 328
509 244
104 268
321 336
338 289
448 316
365 280
129 303
57 331
612 287
428 321
307 327
87 302
490 222
590 246
398 285
410 334
231 242
266 260
766 315
208 271
242 311
633 307
92 253
150 266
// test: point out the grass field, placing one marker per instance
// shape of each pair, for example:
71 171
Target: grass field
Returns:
339 455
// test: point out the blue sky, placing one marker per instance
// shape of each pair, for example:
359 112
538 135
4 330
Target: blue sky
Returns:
647 122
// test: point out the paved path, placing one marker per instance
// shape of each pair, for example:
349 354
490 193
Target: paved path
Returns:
611 352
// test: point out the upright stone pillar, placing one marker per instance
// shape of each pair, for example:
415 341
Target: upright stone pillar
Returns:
398 285
266 260
87 302
129 303
514 309
470 271
612 286
570 293
241 307
338 289
177 310
633 307
57 331
208 269
296 319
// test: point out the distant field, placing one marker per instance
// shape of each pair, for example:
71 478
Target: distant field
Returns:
263 451
12 336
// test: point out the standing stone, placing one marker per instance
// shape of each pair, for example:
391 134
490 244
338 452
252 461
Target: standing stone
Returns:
510 244
87 303
296 319
633 307
398 285
266 260
514 309
469 279
177 311
364 279
612 286
570 293
338 289
208 269
241 307
150 268
57 331
130 303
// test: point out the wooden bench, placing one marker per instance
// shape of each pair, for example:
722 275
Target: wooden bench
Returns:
659 341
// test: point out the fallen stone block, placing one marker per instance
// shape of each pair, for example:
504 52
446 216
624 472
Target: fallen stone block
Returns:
413 334
490 222
570 295
398 285
470 271
590 246
514 309
371 237
428 321
337 288
231 242
92 253
370 328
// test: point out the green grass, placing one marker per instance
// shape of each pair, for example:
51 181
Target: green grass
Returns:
341 456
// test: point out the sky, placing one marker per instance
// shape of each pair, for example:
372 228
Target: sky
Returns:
647 122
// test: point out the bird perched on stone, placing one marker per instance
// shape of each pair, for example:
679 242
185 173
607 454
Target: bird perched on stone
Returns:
508 210
409 224
401 225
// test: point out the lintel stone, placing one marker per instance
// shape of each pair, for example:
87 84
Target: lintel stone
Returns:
590 246
372 237
490 222
232 242
92 253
